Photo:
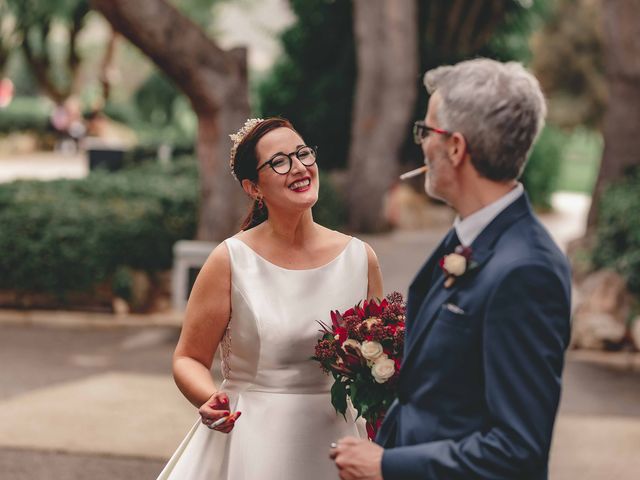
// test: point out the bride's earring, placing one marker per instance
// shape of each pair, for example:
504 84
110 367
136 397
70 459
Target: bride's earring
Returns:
260 202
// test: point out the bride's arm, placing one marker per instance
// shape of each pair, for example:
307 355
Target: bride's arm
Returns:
374 290
206 319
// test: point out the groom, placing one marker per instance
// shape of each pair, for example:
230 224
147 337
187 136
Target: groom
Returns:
486 331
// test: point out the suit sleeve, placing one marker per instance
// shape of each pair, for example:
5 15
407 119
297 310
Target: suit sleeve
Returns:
525 333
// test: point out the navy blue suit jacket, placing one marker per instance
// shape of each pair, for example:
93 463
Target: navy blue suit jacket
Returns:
479 390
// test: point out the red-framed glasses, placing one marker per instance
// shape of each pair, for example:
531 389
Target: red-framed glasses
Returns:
421 131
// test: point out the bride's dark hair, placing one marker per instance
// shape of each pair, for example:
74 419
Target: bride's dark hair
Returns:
246 162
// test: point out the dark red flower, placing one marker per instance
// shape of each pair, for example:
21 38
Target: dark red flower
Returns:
342 334
395 298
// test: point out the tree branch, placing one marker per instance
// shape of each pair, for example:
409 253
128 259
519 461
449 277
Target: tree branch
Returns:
177 45
40 63
73 58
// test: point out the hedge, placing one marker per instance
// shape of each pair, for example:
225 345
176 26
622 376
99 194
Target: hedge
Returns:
617 244
25 114
543 168
67 236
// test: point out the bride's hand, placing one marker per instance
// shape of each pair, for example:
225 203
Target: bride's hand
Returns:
216 408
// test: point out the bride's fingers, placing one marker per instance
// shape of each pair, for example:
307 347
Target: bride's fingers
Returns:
218 400
211 416
226 427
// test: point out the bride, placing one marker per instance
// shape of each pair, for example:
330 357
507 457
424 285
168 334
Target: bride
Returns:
258 297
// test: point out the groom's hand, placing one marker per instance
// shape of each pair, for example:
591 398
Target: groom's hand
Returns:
357 459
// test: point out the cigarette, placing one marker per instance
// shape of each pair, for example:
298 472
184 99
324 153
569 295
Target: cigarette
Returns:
219 422
414 173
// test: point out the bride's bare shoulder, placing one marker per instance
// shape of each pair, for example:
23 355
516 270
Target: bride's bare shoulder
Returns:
334 237
250 237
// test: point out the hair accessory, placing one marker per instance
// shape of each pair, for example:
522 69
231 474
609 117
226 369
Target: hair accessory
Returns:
237 137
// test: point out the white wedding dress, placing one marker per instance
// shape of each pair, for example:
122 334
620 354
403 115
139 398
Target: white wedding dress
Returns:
287 421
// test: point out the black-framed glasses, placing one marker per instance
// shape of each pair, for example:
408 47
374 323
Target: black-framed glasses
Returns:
281 163
421 131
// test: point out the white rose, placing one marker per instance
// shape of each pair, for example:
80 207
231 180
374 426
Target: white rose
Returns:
383 369
455 264
371 350
351 343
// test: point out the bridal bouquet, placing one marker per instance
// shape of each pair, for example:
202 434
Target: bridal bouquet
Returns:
362 350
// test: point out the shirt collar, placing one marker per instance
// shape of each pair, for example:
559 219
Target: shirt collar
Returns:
469 228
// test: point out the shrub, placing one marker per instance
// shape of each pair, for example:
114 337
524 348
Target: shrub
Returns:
66 236
617 244
25 114
542 170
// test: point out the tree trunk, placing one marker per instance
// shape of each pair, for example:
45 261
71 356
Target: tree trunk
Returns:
386 90
621 38
214 80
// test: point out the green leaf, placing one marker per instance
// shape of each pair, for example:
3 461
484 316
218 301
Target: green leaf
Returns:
339 398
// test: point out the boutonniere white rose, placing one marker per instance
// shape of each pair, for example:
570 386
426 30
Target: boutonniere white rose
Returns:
456 264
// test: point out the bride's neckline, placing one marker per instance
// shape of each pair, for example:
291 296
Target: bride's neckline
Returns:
332 261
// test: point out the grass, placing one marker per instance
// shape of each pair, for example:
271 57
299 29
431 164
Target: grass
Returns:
580 161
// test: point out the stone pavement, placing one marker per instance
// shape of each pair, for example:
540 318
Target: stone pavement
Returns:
88 396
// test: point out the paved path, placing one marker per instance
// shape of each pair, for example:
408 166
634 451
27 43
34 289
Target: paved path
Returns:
42 166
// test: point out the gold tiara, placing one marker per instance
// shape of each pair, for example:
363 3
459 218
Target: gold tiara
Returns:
237 138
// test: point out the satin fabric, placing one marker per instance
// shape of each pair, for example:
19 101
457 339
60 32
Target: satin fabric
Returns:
287 421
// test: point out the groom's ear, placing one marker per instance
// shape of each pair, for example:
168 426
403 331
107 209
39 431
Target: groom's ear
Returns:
457 149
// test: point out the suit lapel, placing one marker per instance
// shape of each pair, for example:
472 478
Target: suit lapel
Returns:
437 295
422 283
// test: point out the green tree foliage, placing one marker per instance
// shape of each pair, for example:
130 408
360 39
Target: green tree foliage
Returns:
156 98
543 168
33 22
313 84
7 35
568 60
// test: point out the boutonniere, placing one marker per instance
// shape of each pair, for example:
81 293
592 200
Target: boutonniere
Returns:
457 264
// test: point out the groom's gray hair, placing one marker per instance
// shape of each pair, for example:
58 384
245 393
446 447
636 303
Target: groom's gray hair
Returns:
498 107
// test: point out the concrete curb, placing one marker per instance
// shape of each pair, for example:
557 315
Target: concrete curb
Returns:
72 319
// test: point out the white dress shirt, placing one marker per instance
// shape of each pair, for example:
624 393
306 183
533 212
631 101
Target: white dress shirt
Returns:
469 228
